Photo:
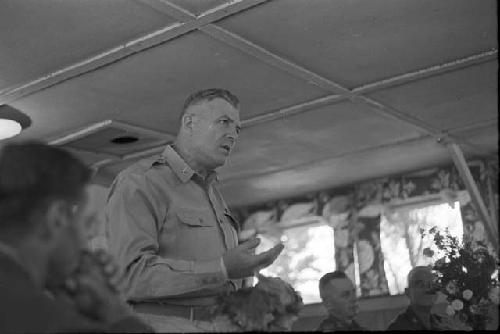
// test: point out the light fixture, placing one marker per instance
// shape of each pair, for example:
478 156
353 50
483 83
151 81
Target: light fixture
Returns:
12 122
9 128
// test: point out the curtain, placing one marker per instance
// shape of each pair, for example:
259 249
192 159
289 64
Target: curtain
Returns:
354 214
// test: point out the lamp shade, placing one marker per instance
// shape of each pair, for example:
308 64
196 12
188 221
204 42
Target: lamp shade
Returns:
12 121
9 128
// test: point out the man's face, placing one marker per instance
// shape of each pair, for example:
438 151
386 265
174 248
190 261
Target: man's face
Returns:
420 291
339 298
215 128
71 240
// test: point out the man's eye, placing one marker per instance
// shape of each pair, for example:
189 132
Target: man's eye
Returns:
224 121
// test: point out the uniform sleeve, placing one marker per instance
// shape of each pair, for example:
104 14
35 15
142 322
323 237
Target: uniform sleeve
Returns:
134 214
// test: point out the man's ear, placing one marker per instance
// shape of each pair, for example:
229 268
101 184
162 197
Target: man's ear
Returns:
55 219
407 292
187 121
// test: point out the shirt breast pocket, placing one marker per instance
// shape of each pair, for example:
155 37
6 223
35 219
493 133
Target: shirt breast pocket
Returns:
194 218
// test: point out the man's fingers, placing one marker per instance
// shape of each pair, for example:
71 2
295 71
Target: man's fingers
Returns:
250 244
246 235
268 257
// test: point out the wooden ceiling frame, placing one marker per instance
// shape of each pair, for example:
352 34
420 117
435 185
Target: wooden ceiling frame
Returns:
334 98
355 96
205 23
428 72
127 49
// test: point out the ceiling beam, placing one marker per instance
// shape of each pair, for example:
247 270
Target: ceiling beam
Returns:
125 50
432 71
479 204
292 110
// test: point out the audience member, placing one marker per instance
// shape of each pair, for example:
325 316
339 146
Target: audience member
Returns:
339 299
422 296
42 220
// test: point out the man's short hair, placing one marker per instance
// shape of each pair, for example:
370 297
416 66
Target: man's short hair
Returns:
209 95
329 277
414 270
31 175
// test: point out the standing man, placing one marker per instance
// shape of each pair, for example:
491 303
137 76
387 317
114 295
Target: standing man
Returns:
168 225
339 299
43 215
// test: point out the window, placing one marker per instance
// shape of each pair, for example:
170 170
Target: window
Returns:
401 241
309 253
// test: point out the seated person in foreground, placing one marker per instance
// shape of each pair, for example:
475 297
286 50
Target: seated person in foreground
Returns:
339 299
43 204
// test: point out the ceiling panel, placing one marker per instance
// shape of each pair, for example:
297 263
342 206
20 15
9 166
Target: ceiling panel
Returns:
301 139
198 7
485 138
450 100
39 37
149 89
396 159
356 41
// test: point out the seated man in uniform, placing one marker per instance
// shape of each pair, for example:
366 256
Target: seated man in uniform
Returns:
43 212
339 299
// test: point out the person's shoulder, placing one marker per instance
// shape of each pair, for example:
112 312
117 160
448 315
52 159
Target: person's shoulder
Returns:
140 167
152 169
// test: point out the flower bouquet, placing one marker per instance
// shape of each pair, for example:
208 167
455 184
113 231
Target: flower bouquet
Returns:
467 274
271 305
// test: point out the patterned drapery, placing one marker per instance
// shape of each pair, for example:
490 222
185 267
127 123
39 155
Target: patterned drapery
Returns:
354 214
338 211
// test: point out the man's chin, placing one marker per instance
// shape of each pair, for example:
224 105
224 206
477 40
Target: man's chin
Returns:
220 161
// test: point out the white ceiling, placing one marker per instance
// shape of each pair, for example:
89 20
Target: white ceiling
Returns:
332 92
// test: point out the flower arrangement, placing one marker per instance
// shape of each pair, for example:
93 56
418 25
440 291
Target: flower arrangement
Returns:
467 274
271 305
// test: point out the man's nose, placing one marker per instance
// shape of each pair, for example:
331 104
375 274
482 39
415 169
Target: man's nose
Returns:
233 132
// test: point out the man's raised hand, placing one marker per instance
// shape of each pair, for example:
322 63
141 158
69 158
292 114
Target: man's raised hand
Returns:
242 261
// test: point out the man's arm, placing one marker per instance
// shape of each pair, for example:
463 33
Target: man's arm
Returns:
134 216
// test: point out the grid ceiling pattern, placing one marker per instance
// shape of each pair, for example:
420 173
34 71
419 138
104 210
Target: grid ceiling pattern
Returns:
328 88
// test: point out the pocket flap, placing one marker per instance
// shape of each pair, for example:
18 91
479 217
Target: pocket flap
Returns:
193 217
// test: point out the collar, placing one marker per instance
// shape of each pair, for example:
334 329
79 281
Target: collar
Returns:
180 167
